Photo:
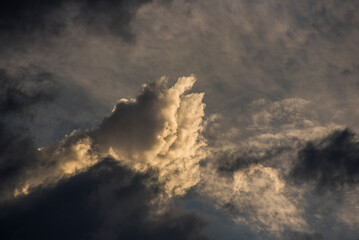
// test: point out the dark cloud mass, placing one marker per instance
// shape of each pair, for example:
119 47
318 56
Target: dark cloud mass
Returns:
20 19
17 103
15 98
106 202
329 163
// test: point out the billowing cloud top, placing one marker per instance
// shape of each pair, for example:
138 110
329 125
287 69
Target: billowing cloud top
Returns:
160 130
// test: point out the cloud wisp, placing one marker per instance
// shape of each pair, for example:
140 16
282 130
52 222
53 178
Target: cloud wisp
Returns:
251 174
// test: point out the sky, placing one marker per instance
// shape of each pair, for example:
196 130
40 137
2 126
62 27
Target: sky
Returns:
179 119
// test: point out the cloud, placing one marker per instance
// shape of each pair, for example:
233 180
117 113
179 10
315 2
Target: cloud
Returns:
16 99
108 201
23 19
329 163
73 189
270 133
17 105
22 165
303 236
159 130
245 174
255 196
280 53
277 74
326 170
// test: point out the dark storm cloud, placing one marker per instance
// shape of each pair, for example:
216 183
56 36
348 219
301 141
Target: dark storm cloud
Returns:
330 163
15 99
21 18
16 154
17 102
106 202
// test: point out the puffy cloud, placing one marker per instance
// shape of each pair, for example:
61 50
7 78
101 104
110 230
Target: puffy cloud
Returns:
159 130
72 189
67 157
